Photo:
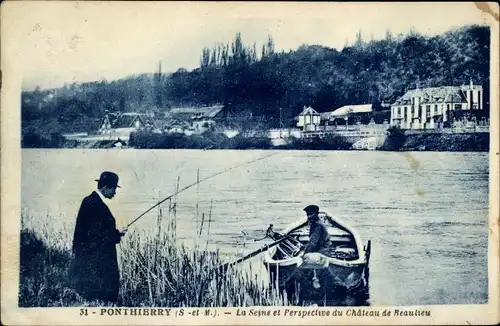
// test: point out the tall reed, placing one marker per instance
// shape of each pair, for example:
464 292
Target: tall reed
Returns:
155 270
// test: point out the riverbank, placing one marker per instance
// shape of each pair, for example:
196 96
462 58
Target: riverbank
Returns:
396 140
462 142
155 272
438 142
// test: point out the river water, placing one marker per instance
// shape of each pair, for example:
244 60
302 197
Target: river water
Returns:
426 213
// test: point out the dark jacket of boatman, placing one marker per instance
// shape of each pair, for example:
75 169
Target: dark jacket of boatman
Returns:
318 234
94 271
318 237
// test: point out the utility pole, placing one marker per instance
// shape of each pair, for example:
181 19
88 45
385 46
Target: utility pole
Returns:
158 86
310 91
281 118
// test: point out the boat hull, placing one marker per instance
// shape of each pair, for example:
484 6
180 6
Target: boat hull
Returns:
329 283
336 274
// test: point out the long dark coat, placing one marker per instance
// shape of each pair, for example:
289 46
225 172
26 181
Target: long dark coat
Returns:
94 271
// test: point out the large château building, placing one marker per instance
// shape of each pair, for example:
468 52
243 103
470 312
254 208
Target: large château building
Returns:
430 108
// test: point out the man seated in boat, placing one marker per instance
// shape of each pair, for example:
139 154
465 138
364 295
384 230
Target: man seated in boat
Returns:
318 234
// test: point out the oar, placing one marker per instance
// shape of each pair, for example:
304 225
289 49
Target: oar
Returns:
225 266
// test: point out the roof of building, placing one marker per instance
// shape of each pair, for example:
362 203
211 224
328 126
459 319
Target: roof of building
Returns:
442 94
212 111
350 109
191 112
127 119
326 115
309 111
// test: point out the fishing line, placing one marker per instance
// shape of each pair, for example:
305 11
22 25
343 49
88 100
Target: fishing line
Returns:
198 182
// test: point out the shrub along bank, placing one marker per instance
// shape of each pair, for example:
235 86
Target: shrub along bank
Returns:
459 142
330 142
398 140
207 140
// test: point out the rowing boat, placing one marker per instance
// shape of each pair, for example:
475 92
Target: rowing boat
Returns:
338 270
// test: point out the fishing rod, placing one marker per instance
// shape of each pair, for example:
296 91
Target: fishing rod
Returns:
198 182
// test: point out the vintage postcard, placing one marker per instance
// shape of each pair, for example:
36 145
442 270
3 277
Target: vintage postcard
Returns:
244 163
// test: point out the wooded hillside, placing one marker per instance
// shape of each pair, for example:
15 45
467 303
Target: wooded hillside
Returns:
262 81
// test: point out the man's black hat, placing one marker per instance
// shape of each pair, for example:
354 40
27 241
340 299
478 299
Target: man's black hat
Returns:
109 179
311 209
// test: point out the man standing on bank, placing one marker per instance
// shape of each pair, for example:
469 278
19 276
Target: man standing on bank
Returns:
318 234
94 271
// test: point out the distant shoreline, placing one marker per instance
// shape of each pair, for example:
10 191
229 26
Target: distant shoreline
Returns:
457 142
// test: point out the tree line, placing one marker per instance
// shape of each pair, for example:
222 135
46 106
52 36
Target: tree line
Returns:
275 85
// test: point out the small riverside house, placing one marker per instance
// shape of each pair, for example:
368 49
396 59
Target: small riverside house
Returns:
200 119
309 119
173 126
435 107
352 114
121 125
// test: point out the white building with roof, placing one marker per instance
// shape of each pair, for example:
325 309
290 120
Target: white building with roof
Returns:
309 119
201 118
122 124
433 107
348 110
349 114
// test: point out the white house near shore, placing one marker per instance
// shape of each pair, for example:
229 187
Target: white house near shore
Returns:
199 119
433 107
348 110
121 125
309 119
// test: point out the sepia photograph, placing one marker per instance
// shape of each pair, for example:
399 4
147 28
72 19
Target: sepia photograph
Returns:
228 162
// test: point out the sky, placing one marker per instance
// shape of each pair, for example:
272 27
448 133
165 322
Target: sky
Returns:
65 42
